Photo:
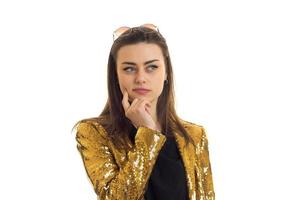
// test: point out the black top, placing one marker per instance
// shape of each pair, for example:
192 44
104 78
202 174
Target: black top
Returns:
167 180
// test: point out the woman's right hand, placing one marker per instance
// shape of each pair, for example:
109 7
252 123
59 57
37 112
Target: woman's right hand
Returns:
138 111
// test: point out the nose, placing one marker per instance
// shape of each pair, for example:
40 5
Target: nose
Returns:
140 77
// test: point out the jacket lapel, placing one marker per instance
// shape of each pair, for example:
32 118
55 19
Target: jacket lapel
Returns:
188 159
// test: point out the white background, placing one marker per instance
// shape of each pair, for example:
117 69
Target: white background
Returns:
236 67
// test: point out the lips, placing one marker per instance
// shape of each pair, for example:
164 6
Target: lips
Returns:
141 90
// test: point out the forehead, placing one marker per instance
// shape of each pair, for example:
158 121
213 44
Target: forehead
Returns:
139 53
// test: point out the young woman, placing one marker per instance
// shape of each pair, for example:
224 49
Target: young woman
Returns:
138 148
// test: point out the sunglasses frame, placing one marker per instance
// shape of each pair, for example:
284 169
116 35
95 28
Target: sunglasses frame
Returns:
119 31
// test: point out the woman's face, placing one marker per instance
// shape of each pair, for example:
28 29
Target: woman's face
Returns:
141 65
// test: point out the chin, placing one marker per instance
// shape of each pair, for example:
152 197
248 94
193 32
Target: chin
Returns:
140 97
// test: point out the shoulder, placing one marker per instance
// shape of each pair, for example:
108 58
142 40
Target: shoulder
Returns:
196 131
191 126
90 128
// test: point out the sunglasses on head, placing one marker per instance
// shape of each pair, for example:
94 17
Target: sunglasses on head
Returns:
119 31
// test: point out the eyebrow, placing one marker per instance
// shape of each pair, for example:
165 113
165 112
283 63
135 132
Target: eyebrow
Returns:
145 63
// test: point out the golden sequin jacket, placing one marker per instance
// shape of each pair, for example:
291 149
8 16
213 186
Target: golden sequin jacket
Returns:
116 174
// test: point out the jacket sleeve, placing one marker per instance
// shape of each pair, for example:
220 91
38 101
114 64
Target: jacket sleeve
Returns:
108 179
204 171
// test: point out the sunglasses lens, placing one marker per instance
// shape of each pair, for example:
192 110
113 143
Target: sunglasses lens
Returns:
151 26
120 31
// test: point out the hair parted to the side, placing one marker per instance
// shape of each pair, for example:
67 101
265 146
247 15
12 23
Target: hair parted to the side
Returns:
113 118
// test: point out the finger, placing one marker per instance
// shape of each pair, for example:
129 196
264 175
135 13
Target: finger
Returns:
136 104
125 102
129 99
140 103
147 110
148 104
133 104
144 104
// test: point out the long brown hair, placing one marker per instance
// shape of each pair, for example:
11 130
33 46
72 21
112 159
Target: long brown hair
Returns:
113 118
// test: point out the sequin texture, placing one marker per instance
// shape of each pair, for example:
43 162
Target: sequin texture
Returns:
116 174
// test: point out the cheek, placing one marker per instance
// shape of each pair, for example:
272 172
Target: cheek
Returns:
122 82
122 87
159 86
125 84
